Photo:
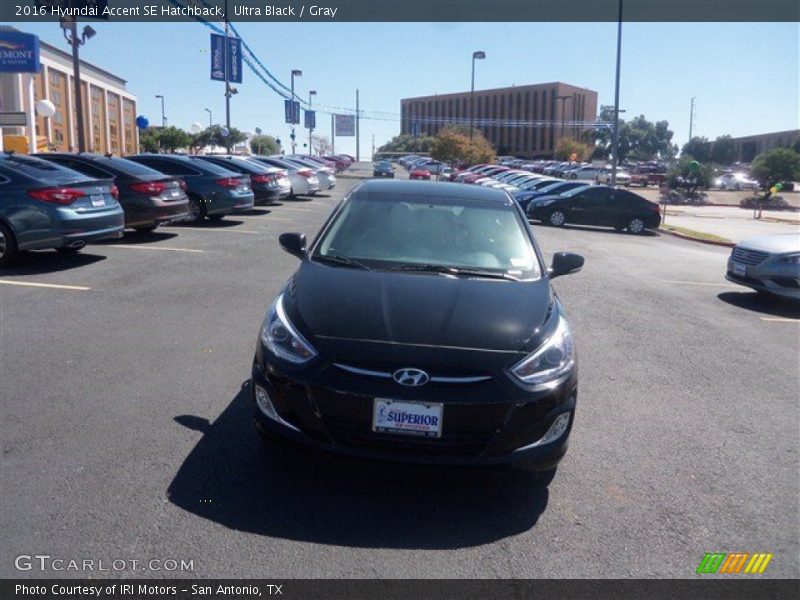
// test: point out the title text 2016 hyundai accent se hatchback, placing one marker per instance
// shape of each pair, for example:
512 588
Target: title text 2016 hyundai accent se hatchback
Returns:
421 327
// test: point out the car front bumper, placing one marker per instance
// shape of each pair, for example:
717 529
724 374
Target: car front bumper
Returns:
781 279
482 432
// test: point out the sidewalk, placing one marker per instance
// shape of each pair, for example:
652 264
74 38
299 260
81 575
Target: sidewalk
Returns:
734 224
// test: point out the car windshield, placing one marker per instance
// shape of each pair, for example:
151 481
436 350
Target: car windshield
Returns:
389 231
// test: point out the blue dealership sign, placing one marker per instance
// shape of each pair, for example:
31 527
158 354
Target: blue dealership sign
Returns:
234 61
310 119
19 52
292 111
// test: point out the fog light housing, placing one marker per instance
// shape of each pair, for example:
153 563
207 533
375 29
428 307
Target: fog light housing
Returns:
555 431
265 404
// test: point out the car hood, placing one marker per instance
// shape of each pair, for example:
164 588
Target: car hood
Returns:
774 244
418 308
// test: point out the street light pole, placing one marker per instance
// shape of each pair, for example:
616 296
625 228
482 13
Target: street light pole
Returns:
310 129
210 120
480 55
295 73
227 86
163 117
615 142
76 42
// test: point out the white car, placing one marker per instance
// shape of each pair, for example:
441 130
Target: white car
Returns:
584 173
604 176
735 181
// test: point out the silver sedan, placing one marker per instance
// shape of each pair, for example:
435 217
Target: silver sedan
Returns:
767 264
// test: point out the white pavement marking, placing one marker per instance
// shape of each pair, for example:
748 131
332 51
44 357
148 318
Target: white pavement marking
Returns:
294 208
245 231
166 248
780 320
730 285
54 286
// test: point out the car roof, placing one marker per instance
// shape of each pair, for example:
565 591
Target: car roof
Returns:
440 189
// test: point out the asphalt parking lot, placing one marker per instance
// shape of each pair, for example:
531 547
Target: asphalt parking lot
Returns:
126 431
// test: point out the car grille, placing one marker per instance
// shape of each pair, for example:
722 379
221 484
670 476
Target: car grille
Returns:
435 377
749 257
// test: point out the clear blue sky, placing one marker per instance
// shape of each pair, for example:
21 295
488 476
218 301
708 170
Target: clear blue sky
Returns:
745 75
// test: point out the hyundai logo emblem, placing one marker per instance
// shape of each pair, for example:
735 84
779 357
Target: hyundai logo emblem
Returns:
411 377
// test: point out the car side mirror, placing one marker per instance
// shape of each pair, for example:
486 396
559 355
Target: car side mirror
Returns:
293 243
564 263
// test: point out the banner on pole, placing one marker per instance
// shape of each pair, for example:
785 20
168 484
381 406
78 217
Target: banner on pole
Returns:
345 125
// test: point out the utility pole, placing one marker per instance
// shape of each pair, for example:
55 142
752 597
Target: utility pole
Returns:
358 151
615 142
691 117
373 147
333 137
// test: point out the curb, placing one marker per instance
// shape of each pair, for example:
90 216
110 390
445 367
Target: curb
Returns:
694 239
779 220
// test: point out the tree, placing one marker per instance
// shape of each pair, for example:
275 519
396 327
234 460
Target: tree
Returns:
148 139
452 145
566 148
723 150
776 166
408 143
212 136
320 144
698 148
639 139
171 139
264 144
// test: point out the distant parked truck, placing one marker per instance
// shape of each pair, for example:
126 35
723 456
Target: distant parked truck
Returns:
648 176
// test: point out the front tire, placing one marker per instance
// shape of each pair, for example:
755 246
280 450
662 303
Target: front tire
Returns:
636 226
556 218
8 246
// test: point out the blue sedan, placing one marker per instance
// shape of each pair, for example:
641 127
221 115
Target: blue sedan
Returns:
44 205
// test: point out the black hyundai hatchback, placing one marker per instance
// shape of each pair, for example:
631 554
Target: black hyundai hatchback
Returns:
421 327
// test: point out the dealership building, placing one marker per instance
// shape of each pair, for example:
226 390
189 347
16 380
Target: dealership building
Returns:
526 121
109 109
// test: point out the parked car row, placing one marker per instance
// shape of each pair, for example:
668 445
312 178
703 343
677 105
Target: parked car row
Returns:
554 201
64 201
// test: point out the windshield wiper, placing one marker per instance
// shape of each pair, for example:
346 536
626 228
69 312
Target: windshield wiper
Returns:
427 268
340 260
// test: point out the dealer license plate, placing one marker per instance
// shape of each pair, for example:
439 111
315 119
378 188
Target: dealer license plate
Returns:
407 418
97 200
740 269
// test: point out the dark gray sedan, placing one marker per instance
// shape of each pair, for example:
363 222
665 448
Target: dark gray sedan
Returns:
213 191
383 169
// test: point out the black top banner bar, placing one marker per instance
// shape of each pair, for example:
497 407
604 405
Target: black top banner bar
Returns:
402 10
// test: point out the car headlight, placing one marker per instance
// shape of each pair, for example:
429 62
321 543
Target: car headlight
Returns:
551 361
792 259
543 202
282 339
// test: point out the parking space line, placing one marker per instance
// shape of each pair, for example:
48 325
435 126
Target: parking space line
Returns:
730 285
780 319
244 231
54 286
296 209
166 248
